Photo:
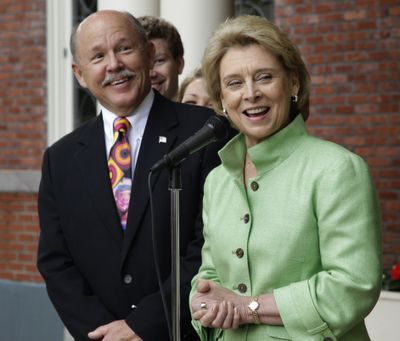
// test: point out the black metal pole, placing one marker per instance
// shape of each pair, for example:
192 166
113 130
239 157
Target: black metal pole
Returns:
175 186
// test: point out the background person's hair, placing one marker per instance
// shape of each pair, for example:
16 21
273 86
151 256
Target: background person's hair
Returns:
196 74
136 24
247 30
158 28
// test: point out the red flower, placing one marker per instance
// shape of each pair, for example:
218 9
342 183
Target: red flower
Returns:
395 272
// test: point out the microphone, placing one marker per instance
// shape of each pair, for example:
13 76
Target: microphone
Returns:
216 128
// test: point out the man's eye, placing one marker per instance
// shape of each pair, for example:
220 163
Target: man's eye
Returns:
159 61
97 56
124 48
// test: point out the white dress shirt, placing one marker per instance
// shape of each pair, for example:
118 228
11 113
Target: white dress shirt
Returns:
137 119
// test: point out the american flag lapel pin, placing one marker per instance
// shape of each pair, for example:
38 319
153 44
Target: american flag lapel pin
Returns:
162 139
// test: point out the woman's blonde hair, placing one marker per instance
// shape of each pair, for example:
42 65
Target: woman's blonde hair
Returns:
196 74
247 30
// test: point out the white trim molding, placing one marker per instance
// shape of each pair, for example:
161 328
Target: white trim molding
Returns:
19 181
383 322
60 115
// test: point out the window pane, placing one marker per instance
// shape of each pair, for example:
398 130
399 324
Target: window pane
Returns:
84 102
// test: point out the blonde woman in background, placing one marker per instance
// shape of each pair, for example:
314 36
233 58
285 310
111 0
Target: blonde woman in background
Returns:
193 90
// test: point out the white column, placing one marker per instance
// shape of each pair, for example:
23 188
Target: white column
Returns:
135 7
195 20
59 73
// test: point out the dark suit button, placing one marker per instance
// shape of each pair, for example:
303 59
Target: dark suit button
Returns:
127 279
239 252
254 186
246 218
242 288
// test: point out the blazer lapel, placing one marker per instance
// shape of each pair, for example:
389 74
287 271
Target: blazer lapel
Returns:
158 139
92 161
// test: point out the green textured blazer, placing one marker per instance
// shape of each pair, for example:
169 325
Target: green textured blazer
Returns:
309 228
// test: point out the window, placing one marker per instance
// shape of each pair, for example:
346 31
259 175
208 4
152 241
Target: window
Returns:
84 103
263 8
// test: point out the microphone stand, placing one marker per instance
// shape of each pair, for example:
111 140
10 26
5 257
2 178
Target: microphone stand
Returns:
175 186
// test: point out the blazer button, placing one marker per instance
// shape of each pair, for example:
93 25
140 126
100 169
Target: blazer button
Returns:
239 252
127 279
254 186
242 288
246 218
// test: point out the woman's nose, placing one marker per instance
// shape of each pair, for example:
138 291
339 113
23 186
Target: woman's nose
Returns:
251 92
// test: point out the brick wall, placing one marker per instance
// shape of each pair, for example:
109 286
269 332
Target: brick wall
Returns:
22 129
22 83
352 49
18 237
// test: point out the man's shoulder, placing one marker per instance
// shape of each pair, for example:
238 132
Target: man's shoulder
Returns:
81 132
185 117
193 114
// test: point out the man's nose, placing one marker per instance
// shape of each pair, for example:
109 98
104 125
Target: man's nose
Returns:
113 62
153 74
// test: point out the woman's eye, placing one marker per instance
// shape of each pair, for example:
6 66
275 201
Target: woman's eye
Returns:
234 84
264 77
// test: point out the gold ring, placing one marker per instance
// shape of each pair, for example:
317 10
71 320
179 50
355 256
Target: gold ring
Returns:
203 305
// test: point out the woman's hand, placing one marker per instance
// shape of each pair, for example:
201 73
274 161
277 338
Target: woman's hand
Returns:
217 307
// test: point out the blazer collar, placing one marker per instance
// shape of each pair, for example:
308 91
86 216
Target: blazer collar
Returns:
92 162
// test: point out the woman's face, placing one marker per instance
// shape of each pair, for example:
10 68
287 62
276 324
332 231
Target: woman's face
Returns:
255 91
196 93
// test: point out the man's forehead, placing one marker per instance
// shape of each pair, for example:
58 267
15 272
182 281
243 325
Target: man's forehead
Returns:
111 20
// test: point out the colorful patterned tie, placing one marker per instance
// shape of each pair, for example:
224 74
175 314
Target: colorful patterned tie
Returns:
119 166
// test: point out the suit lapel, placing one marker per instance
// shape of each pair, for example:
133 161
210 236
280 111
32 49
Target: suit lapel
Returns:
92 162
159 137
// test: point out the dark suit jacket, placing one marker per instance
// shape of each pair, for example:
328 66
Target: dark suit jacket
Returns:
94 272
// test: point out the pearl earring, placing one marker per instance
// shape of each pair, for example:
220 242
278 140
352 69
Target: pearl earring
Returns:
294 98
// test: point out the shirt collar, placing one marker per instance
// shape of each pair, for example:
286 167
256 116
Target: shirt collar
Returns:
137 118
267 154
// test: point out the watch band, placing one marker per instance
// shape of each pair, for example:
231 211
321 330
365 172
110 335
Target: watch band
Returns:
253 306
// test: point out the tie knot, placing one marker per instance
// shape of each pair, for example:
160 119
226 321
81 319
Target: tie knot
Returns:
121 124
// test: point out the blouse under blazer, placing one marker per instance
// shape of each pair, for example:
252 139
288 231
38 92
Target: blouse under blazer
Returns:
306 228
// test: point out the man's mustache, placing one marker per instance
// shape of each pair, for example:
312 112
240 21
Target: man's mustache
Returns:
112 77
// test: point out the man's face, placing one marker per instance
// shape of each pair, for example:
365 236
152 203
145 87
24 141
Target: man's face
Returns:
166 69
111 61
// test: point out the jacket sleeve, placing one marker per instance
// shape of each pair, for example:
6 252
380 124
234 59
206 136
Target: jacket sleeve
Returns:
207 270
340 296
76 304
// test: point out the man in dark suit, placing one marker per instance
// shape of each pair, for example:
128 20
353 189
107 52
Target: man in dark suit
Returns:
100 276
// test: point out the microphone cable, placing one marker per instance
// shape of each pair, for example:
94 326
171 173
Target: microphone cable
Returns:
155 257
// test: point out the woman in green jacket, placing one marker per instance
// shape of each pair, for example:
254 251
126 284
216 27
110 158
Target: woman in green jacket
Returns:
291 222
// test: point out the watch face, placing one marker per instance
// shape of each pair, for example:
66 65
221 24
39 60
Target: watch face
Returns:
254 305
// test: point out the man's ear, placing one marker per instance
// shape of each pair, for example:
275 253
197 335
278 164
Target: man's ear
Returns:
180 62
78 75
